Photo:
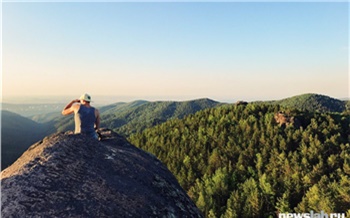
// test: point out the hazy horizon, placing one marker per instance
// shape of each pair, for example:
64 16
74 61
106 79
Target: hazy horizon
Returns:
105 100
175 51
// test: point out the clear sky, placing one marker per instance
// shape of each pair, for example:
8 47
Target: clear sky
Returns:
175 51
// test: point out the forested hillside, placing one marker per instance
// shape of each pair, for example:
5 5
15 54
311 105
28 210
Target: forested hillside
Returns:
140 115
244 161
313 102
128 118
124 118
17 134
64 123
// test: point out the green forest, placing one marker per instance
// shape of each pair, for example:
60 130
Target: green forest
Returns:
242 161
132 119
314 102
252 159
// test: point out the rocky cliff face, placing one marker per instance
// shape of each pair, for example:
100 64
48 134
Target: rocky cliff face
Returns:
68 175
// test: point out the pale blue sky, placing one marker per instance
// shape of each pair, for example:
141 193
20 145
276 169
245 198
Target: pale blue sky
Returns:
176 51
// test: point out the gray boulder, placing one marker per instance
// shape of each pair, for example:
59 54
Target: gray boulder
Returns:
67 175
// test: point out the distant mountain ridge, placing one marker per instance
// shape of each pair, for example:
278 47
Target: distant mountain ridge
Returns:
313 102
28 110
147 114
46 112
121 106
127 118
17 133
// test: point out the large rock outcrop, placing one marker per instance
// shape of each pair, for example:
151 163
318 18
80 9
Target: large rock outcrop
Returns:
67 175
284 120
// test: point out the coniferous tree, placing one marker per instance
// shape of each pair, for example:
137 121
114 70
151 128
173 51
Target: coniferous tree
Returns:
238 161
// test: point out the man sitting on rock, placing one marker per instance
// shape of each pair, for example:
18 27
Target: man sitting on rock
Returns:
86 117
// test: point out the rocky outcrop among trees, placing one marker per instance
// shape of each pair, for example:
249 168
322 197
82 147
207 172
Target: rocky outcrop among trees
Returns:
241 103
67 175
283 119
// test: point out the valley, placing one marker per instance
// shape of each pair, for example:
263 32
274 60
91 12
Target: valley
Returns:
255 159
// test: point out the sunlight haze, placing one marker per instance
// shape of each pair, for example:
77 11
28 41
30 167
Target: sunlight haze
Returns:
175 51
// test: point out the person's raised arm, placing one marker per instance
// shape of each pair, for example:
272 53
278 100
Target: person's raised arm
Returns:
69 108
